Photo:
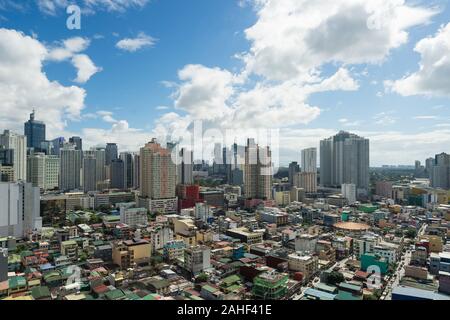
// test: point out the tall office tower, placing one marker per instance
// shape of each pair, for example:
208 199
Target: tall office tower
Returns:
71 161
136 171
294 168
43 171
17 143
35 132
77 141
117 174
100 171
128 167
58 144
89 171
158 172
185 167
19 209
440 173
344 158
111 153
309 160
47 148
257 171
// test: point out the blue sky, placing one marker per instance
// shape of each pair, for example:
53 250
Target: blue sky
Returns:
289 75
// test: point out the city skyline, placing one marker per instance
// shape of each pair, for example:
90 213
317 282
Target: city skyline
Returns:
135 81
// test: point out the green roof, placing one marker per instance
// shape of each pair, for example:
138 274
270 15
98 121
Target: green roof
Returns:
209 288
16 282
114 294
344 295
231 280
151 296
40 292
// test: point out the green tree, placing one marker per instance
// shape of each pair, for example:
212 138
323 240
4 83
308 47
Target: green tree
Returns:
335 278
202 277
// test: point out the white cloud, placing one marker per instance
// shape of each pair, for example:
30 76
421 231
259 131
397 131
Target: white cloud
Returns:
70 50
134 44
24 86
426 118
293 37
51 7
432 78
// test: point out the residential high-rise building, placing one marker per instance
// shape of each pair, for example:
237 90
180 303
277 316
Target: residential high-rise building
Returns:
309 160
43 171
157 178
6 156
19 209
17 143
344 158
77 141
71 161
257 172
128 167
112 153
100 171
35 132
429 163
440 171
348 191
89 171
197 259
117 174
294 168
306 181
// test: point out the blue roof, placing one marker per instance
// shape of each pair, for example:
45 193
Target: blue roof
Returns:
321 295
417 294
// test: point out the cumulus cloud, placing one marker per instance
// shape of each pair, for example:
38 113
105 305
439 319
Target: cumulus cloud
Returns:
24 86
134 44
432 78
293 37
70 50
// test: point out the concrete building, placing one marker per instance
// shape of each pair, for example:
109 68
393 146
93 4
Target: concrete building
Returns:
197 259
128 169
157 177
43 171
17 143
344 158
117 174
71 161
111 153
245 235
440 172
306 181
77 142
306 264
19 209
309 160
185 166
127 254
89 172
134 216
257 172
294 168
348 191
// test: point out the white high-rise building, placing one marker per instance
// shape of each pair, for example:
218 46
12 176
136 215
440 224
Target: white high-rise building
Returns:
43 171
348 191
18 143
71 161
309 160
19 209
306 181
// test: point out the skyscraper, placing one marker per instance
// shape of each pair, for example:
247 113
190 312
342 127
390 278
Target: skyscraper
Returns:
185 166
89 171
100 171
35 132
17 143
257 172
128 167
111 153
58 144
344 158
117 174
157 178
137 171
309 160
77 141
440 171
70 168
294 168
